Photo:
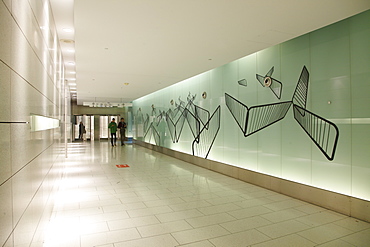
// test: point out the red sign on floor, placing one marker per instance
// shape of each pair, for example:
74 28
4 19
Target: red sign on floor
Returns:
122 166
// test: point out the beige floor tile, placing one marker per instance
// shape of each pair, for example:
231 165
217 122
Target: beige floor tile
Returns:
210 220
226 199
325 233
321 218
218 209
179 215
249 212
165 202
157 241
336 243
189 205
161 201
353 224
293 240
245 224
253 202
104 217
283 215
109 237
149 211
281 205
123 207
204 243
361 238
246 238
134 222
199 234
164 228
283 228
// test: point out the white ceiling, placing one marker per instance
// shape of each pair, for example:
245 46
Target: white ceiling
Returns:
153 44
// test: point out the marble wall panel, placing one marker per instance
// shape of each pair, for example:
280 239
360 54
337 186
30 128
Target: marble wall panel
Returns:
5 30
5 165
4 92
6 225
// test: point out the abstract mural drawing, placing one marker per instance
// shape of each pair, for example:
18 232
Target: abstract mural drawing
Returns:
203 143
152 131
262 116
242 82
301 90
253 119
321 131
200 123
267 81
256 118
238 110
202 115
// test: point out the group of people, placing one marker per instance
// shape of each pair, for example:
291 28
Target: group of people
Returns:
113 129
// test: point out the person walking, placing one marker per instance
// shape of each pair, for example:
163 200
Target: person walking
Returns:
81 130
113 129
122 130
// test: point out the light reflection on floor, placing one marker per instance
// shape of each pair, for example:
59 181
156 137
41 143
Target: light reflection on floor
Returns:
161 201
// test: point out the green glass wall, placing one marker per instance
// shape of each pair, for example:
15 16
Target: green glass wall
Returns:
338 60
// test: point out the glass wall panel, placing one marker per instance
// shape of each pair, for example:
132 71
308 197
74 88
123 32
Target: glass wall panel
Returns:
281 110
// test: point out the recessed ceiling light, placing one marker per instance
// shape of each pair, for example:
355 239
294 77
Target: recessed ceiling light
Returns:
126 83
68 30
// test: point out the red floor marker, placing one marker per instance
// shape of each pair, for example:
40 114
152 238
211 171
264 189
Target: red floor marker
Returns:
122 166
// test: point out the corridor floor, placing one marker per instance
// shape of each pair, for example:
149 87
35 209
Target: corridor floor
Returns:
161 201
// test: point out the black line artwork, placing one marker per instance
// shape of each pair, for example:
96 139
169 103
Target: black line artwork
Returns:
262 116
203 143
321 131
301 90
203 128
152 131
146 123
256 118
267 81
201 114
250 120
242 82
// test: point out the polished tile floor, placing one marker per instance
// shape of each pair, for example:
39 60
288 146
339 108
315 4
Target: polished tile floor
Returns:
161 201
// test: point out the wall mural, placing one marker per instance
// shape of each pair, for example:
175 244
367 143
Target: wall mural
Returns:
203 126
255 118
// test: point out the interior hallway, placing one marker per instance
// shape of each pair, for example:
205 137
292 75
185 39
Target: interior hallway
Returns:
161 201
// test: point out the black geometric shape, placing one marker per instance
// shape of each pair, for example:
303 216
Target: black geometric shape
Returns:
262 116
242 82
238 110
301 91
201 114
152 131
267 81
256 118
171 127
193 122
175 128
203 143
322 132
146 123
